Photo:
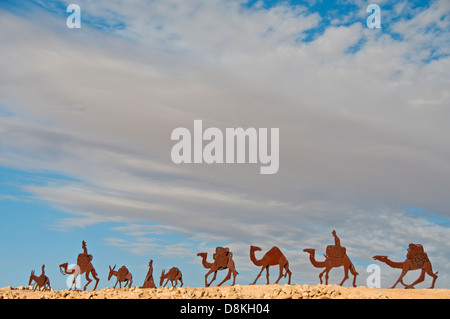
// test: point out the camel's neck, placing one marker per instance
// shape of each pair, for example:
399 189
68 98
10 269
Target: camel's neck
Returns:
314 262
393 264
68 271
205 263
253 258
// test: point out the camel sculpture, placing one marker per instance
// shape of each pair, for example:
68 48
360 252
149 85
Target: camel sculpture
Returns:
148 281
416 258
336 256
42 281
84 265
122 275
223 259
174 274
273 257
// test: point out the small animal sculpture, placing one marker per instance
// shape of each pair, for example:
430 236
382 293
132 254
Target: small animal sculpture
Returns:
122 275
174 274
416 258
84 265
42 281
223 259
336 257
272 258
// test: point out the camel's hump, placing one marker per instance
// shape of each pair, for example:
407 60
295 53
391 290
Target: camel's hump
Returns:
275 250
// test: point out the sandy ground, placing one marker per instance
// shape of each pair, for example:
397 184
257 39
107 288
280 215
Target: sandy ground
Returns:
227 292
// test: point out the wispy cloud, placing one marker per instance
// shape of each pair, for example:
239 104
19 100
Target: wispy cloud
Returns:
362 116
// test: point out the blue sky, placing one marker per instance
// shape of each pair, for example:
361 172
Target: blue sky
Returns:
86 116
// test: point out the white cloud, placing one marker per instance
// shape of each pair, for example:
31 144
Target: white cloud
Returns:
362 135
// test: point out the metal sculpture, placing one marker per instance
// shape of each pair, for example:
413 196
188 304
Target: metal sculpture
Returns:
174 274
122 275
416 258
223 259
84 265
336 256
148 282
272 258
42 281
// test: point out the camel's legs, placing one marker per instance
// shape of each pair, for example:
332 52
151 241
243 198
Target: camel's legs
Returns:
434 275
421 278
354 273
181 280
94 274
47 283
73 282
320 276
426 270
235 273
345 275
206 277
281 273
226 278
289 272
400 279
87 279
286 268
231 266
262 269
327 271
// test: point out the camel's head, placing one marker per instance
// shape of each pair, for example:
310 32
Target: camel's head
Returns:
150 264
309 250
254 248
63 268
380 258
203 255
163 273
111 271
31 278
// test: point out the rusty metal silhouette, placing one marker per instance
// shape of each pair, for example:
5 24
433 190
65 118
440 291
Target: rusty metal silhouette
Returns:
336 256
174 274
223 259
272 258
148 281
42 281
416 258
84 265
122 275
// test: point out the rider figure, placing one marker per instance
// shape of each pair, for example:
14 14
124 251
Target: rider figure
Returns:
337 241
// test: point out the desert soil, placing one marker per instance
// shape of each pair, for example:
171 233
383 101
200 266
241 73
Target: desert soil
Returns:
227 292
